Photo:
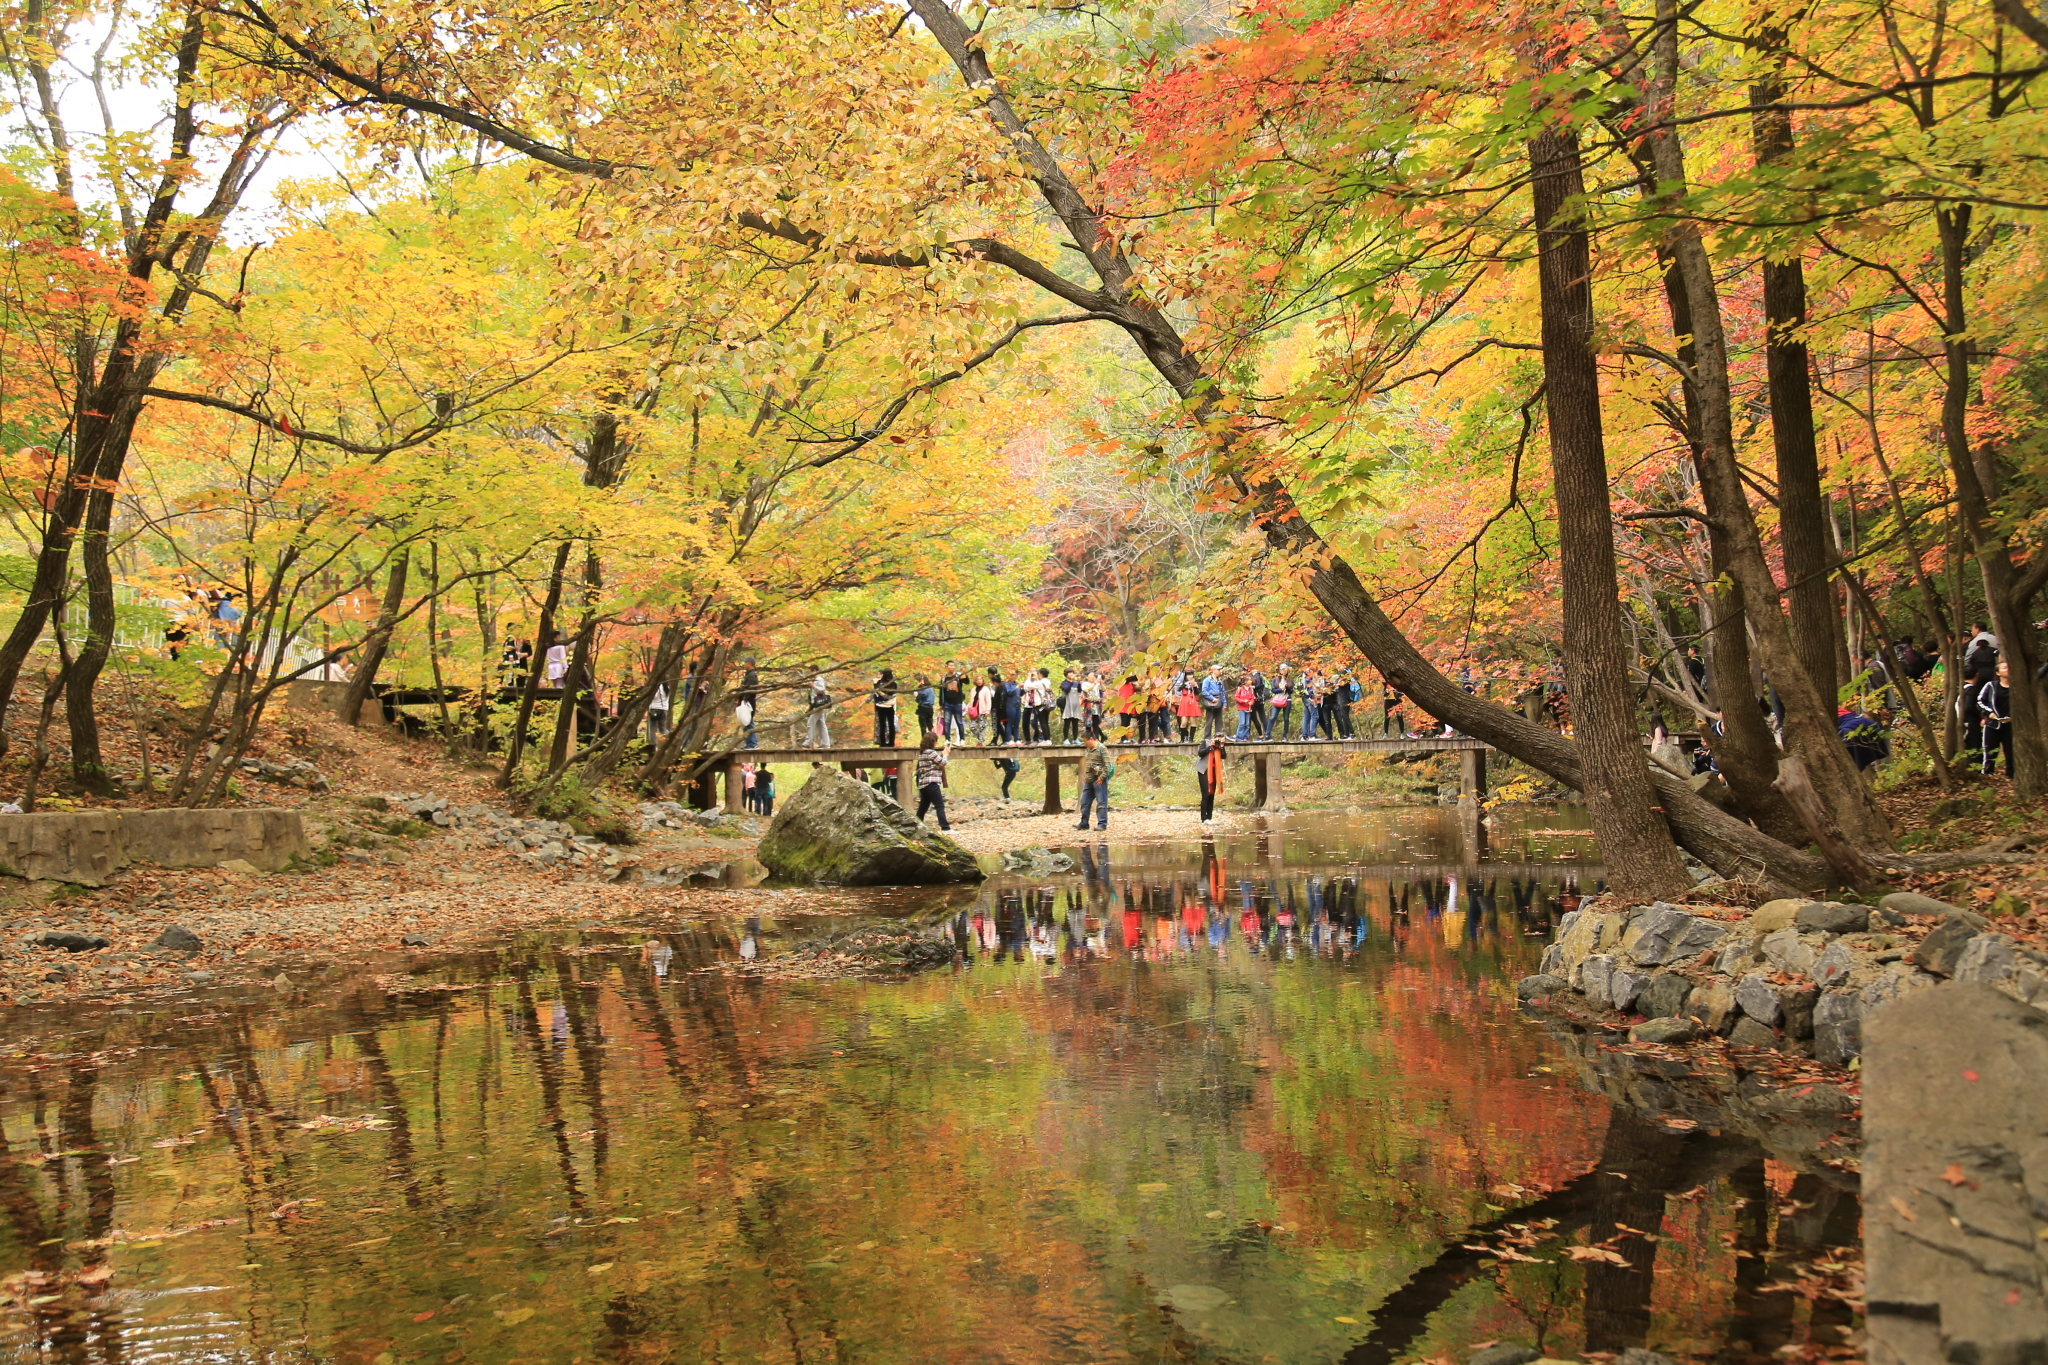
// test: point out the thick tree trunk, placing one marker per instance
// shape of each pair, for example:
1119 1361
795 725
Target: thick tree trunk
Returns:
1809 718
88 763
379 644
1635 841
1802 514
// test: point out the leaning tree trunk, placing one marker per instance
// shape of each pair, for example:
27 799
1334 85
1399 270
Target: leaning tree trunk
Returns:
543 640
1809 718
379 643
1635 842
1746 752
1802 511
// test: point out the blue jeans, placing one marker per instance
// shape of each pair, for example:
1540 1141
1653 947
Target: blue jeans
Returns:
1095 794
1244 726
1308 721
1280 714
753 737
955 724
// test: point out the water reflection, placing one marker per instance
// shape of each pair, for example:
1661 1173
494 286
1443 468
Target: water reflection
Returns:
1226 1102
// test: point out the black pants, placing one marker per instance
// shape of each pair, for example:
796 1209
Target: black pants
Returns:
1070 730
1344 719
885 727
1259 719
924 720
1208 799
766 803
932 796
1997 738
1009 768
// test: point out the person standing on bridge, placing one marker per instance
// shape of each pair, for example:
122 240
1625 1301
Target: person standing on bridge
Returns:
1072 712
884 698
750 697
953 690
1209 756
1262 694
1214 694
818 715
927 703
1246 699
978 709
1283 701
1311 704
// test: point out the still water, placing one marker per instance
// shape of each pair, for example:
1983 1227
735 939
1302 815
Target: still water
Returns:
1241 1100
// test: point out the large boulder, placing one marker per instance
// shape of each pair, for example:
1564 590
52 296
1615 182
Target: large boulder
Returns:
843 832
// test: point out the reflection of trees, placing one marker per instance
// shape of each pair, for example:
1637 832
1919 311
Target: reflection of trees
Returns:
589 1063
1639 1165
535 1035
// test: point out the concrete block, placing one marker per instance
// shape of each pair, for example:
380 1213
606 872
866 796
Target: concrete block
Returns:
1955 1159
264 837
84 847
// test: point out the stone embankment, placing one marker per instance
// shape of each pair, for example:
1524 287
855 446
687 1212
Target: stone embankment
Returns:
549 843
1801 976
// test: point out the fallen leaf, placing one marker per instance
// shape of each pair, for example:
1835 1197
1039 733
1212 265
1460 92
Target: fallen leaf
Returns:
1596 1254
1969 1075
422 1317
512 1317
1904 1212
1154 1187
867 1246
372 1241
1349 1322
599 1268
1954 1175
2012 1298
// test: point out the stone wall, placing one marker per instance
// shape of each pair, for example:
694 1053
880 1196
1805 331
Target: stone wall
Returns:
88 847
1798 975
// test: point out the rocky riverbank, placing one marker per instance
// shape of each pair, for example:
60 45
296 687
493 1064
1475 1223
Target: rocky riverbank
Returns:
1799 976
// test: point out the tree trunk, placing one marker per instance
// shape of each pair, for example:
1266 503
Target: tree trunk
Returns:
379 643
1635 842
1746 752
543 638
1977 490
88 764
1802 520
578 677
1809 718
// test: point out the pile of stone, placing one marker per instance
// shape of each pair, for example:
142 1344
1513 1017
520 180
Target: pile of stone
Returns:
1797 975
297 773
543 843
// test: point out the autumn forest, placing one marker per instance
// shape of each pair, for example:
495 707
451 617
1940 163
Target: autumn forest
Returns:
1674 359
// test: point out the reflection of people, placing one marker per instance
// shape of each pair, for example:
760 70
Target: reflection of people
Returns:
1095 772
1209 755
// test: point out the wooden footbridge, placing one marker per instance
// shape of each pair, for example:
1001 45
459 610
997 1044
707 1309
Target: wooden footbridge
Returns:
1265 760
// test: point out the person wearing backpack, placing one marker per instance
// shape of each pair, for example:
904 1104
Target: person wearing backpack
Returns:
1097 767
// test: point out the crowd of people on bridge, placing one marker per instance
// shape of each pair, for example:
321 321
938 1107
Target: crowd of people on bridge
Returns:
1028 707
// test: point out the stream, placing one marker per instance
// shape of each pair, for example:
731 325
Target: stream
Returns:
1245 1100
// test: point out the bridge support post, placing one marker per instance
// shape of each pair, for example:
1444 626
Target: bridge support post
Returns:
1052 789
1471 776
732 786
1266 790
906 784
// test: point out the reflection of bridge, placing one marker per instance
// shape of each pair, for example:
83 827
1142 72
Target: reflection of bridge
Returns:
1265 758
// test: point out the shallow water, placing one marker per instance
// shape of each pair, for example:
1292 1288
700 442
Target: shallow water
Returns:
1233 1101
